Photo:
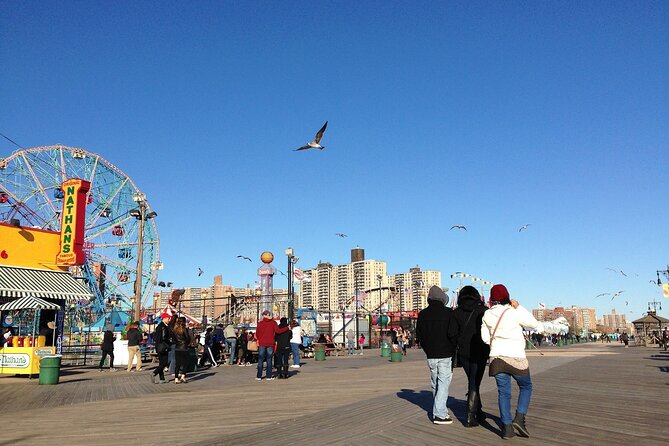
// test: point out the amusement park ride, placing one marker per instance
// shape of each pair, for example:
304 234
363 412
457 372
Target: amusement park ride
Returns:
31 195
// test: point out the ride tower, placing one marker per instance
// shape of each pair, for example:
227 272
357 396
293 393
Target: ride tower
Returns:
266 273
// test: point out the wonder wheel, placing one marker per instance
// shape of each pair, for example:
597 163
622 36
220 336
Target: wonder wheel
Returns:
30 191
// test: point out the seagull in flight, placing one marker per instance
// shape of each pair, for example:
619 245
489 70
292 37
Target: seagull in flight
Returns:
341 235
617 271
617 294
245 258
199 272
315 144
602 294
524 227
458 227
282 273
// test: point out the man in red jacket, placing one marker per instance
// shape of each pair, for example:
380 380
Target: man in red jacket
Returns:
265 332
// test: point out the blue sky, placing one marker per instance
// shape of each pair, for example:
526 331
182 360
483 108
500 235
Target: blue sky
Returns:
486 114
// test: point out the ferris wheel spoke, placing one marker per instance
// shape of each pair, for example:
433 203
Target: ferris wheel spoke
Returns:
109 201
39 184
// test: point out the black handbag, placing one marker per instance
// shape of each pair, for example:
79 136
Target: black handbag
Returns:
455 363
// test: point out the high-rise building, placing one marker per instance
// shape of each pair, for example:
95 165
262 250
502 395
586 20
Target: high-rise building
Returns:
580 320
615 321
333 287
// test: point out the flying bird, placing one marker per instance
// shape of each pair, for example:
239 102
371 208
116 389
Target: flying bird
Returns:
524 227
458 227
245 258
602 294
199 272
621 272
282 273
617 294
341 235
315 144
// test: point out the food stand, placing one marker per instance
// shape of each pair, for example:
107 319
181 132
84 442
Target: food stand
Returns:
22 353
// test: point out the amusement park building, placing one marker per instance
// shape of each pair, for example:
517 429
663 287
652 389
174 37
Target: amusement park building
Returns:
333 287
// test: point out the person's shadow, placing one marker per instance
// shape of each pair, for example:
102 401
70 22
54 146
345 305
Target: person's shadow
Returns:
458 408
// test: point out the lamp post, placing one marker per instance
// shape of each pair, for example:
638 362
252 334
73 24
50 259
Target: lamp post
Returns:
140 214
292 260
665 272
460 275
379 277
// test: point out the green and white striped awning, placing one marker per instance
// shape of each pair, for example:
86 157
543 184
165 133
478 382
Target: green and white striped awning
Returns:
27 282
33 303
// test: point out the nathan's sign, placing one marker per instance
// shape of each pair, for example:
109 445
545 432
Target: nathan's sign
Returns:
14 360
73 221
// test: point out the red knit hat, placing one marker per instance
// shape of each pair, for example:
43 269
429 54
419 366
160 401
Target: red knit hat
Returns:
499 293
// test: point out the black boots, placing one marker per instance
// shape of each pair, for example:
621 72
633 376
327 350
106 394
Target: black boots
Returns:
283 371
519 424
508 432
473 409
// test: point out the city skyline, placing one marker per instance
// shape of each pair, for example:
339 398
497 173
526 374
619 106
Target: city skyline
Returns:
497 117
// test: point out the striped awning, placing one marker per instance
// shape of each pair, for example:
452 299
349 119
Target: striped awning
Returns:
33 303
26 282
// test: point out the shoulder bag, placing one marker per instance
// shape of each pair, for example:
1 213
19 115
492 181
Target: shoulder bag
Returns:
505 364
455 363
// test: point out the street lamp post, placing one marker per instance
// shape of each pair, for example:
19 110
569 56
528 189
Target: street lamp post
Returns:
140 214
379 277
460 275
292 260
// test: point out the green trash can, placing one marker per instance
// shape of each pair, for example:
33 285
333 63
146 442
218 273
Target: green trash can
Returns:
49 369
319 352
192 361
385 351
395 356
559 343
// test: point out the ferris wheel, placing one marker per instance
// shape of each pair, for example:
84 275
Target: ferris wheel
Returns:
30 190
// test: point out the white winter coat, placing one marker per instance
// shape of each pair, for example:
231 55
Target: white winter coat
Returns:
509 340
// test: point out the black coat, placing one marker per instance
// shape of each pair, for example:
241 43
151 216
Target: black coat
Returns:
434 330
108 341
468 334
283 339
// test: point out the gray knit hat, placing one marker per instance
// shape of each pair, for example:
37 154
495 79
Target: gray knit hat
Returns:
437 293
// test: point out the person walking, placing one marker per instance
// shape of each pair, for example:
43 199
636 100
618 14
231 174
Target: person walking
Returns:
134 350
282 349
295 342
472 351
350 341
625 339
502 329
361 342
230 342
163 339
265 332
434 332
107 348
207 356
242 346
182 341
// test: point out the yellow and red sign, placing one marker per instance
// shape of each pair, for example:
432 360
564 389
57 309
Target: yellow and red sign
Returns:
73 222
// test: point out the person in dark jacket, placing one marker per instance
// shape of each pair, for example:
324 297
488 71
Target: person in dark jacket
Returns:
282 349
472 351
163 338
433 331
207 355
107 348
182 341
134 350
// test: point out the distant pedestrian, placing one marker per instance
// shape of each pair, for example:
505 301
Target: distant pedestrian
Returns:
282 349
265 332
435 334
350 341
134 350
230 342
207 356
163 339
295 343
361 342
502 329
242 346
472 351
182 341
625 339
107 348
218 341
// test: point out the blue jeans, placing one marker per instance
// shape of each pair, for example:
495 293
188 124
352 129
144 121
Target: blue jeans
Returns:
295 347
265 354
351 346
504 395
440 379
232 348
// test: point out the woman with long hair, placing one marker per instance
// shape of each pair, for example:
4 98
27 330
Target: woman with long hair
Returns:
471 350
183 337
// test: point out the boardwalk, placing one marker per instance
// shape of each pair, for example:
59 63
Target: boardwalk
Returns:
585 394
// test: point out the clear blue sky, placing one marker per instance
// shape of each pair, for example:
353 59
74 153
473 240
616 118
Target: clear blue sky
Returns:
490 115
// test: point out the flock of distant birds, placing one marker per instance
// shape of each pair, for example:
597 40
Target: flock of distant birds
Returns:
316 144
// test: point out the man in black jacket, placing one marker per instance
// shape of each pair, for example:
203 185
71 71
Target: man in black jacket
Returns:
134 350
163 339
434 332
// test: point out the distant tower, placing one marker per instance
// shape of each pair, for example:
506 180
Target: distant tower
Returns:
357 254
266 273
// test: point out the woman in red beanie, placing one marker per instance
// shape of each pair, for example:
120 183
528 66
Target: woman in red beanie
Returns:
502 329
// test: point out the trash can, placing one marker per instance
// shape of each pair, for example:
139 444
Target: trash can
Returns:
319 352
396 356
385 349
49 369
192 361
